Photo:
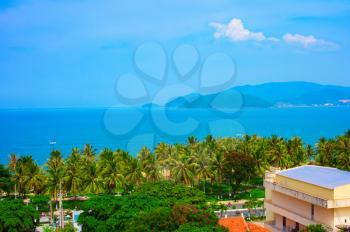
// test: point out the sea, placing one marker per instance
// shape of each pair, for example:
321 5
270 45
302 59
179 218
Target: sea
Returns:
37 132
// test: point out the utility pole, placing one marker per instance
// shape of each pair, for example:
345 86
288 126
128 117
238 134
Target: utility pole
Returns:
61 208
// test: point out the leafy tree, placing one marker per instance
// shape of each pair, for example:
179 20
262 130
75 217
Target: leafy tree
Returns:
5 180
40 202
110 170
55 171
18 217
73 178
91 180
196 227
239 167
315 228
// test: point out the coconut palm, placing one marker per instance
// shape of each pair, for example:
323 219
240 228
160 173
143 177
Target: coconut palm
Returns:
89 153
278 152
202 165
21 173
192 141
110 170
12 168
134 172
36 182
182 168
297 151
73 172
343 145
91 180
325 152
149 164
55 172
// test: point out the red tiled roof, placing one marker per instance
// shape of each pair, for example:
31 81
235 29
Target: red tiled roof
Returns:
238 224
256 228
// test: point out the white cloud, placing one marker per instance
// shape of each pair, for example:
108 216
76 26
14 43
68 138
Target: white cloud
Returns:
309 42
235 31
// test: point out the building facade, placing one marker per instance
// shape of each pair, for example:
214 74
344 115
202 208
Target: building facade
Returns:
298 197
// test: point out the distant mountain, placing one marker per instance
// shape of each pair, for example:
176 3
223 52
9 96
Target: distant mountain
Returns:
279 94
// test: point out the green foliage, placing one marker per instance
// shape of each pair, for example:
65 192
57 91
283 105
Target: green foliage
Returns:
171 192
222 168
315 228
18 217
71 204
160 206
5 180
253 193
195 227
40 201
67 228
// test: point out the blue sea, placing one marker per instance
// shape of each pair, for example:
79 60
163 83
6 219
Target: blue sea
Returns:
30 131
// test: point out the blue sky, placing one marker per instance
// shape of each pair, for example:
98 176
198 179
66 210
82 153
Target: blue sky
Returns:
71 53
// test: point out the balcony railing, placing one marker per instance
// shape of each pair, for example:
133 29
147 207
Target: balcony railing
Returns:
292 215
296 194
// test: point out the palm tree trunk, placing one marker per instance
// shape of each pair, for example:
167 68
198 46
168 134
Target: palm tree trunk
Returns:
204 186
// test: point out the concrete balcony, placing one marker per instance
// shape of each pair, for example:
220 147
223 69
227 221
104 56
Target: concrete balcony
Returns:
338 203
271 225
290 215
296 194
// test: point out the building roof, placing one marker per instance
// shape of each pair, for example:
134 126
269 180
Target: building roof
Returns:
325 177
238 224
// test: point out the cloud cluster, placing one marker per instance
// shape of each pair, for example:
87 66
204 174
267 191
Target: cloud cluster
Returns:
236 32
309 42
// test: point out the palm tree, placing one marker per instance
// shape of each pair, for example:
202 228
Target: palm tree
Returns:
277 152
149 164
258 153
325 152
202 165
22 173
181 168
343 145
110 170
12 168
297 153
92 181
89 153
73 172
36 178
192 141
55 172
134 172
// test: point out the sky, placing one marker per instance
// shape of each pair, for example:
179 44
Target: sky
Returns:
99 53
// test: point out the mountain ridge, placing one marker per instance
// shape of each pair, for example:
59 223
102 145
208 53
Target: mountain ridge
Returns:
274 94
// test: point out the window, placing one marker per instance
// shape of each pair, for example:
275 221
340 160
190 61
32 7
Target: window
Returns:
312 211
284 223
297 226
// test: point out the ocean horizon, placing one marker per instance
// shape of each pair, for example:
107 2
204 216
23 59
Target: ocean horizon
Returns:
30 131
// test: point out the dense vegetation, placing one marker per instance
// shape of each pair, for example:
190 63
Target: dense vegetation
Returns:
230 161
160 206
219 167
16 216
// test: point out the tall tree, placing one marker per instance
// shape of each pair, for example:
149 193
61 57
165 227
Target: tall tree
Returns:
73 178
239 168
55 171
110 170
